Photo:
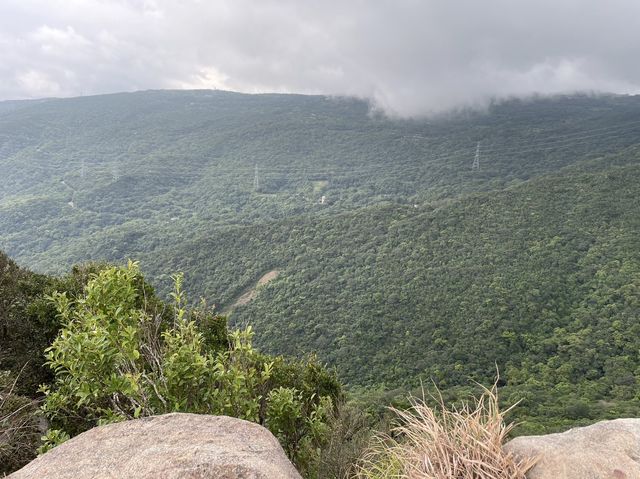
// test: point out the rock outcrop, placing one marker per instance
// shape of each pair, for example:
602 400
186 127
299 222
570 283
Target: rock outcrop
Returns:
606 450
169 446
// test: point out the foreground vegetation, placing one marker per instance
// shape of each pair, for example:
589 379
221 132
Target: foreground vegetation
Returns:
120 353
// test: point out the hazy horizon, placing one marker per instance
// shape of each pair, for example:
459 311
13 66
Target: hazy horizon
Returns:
408 58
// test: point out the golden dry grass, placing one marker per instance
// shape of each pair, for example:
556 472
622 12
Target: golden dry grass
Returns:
447 443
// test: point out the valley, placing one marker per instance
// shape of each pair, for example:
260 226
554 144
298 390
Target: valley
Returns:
391 257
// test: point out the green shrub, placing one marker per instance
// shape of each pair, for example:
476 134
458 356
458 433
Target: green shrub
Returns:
122 354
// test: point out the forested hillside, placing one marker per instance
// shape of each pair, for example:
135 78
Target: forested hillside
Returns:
541 279
389 254
143 171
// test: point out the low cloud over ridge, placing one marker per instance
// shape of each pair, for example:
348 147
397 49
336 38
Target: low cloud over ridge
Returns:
410 57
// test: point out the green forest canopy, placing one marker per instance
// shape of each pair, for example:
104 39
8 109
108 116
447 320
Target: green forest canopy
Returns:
415 267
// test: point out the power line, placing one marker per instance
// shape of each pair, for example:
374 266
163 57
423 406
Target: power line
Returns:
571 138
557 143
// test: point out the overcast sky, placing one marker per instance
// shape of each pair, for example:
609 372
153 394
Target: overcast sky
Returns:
411 57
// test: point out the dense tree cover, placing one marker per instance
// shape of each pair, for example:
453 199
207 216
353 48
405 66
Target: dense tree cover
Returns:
539 278
414 268
113 176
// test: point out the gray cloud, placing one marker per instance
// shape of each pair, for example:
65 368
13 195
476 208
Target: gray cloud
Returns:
411 57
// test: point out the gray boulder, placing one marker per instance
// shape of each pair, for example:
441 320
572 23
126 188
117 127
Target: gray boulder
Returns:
606 450
169 446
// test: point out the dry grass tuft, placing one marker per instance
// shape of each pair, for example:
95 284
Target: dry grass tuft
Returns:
447 443
19 433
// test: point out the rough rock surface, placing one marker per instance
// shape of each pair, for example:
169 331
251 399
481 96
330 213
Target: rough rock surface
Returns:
169 446
606 450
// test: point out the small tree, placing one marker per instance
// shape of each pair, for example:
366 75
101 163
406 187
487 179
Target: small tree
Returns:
123 354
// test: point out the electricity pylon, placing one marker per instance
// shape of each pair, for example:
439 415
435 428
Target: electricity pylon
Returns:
476 160
256 179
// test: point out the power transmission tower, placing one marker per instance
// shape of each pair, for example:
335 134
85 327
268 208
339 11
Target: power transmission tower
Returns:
256 179
476 160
